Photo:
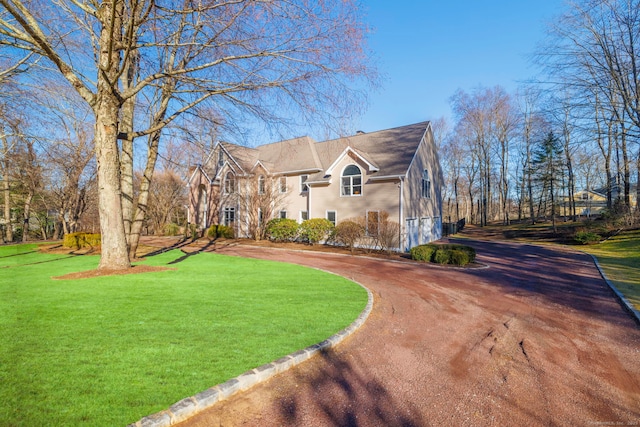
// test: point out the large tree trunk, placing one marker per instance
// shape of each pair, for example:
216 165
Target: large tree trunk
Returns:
107 108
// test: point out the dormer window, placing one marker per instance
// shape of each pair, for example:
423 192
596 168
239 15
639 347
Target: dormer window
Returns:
229 183
261 188
351 181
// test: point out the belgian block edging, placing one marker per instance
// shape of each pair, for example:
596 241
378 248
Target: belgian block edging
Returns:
190 406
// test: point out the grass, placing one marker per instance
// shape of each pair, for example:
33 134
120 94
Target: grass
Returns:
619 257
110 350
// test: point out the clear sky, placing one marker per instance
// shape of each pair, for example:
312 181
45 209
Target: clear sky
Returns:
427 49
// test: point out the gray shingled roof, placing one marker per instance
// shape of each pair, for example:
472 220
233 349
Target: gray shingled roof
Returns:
390 150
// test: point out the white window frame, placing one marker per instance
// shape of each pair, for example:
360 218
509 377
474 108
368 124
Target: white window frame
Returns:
283 184
260 218
228 211
350 184
227 188
426 185
335 217
261 184
220 157
304 188
282 214
368 232
303 214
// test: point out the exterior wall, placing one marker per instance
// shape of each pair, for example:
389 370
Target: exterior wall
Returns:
295 200
423 216
376 195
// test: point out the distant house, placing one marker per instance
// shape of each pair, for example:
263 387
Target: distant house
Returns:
394 171
593 202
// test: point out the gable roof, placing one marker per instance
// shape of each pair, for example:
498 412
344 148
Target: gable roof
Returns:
386 153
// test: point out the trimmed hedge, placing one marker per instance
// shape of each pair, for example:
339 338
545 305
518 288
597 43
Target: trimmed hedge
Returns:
444 254
81 240
315 229
282 229
220 230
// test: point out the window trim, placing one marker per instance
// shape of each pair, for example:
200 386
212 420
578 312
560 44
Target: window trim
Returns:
261 184
280 213
351 185
367 231
302 216
283 180
425 190
304 188
227 181
335 216
225 215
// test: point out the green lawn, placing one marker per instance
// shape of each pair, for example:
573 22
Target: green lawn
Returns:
619 257
110 350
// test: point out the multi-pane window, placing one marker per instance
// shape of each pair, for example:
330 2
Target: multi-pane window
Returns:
331 216
426 185
283 214
261 184
229 216
230 183
303 183
351 181
373 223
283 184
304 215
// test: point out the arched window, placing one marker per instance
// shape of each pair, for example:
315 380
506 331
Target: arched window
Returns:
230 183
351 181
261 184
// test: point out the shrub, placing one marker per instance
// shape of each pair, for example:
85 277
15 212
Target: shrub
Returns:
423 252
442 256
471 253
348 232
220 230
171 229
315 229
81 240
282 229
586 237
459 257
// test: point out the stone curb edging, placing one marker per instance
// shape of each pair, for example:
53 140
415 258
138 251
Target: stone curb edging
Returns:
190 406
625 302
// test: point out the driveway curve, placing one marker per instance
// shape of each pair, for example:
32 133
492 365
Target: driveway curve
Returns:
535 339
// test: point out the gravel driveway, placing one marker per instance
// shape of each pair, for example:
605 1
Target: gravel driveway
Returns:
535 339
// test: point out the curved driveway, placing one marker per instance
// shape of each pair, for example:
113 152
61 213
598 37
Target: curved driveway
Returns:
535 339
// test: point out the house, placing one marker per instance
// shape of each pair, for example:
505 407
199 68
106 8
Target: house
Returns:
393 173
594 202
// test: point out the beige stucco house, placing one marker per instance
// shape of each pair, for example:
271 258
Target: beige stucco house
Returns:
394 171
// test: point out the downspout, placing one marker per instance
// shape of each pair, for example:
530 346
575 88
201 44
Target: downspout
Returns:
401 229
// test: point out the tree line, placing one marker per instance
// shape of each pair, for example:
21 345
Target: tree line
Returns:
572 129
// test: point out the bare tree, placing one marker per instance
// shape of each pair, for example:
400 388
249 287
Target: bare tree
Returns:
265 58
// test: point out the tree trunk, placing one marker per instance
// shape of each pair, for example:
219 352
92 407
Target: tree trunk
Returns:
27 214
107 110
7 208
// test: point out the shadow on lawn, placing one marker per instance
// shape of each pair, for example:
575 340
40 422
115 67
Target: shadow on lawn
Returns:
346 396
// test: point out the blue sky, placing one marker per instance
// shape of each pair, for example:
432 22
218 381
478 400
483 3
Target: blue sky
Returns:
428 49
